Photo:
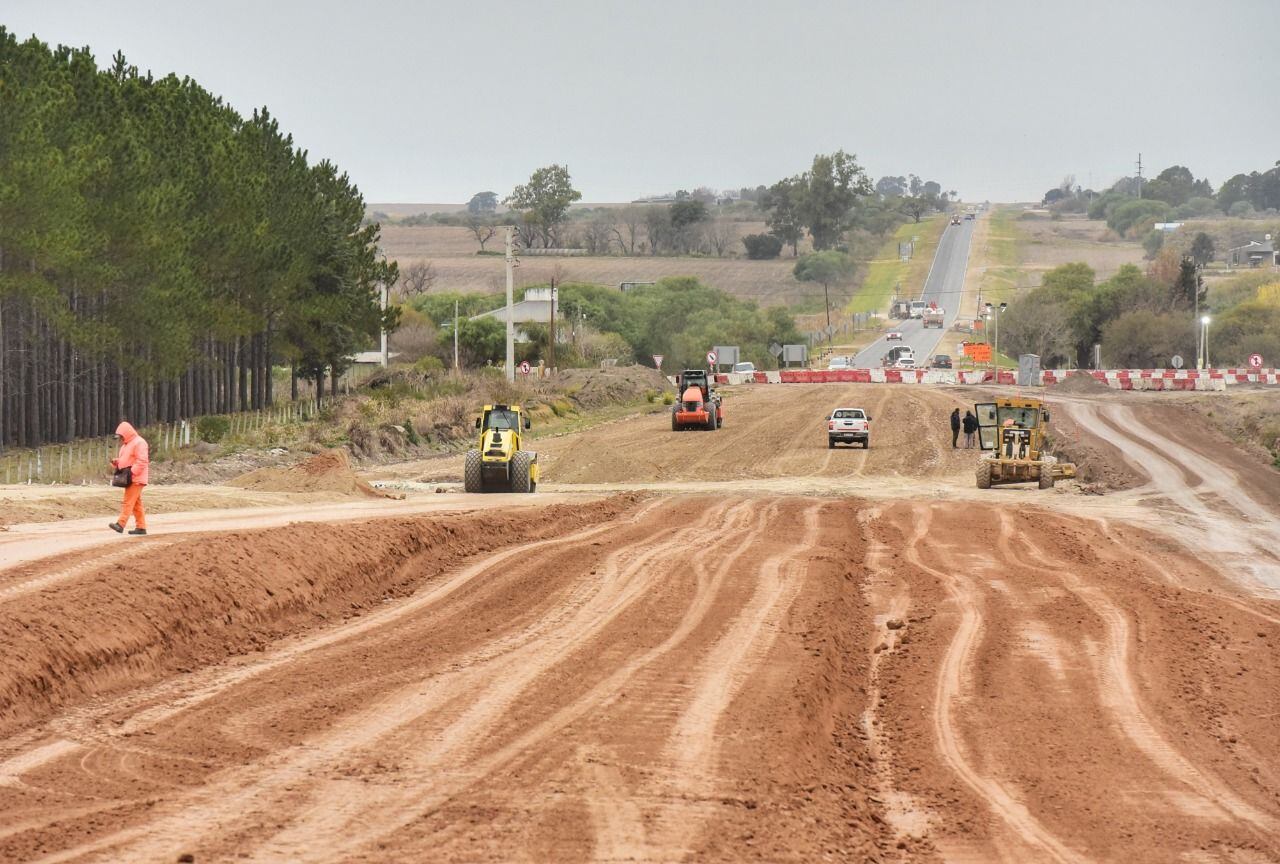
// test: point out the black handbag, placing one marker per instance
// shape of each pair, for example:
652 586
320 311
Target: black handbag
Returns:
123 477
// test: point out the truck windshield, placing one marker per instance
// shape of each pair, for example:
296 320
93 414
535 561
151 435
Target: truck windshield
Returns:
501 420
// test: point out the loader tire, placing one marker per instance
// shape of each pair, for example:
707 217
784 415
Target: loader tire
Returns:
675 427
1046 478
472 480
521 476
984 474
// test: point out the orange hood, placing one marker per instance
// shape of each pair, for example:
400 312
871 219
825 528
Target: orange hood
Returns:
126 431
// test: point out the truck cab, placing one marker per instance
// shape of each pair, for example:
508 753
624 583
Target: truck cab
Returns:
917 308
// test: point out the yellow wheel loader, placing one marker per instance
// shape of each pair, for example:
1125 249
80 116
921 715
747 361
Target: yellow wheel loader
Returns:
1014 431
500 463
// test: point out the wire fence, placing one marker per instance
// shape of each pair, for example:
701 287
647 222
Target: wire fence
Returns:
87 461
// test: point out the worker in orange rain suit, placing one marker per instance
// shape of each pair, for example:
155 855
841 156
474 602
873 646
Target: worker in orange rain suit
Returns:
135 455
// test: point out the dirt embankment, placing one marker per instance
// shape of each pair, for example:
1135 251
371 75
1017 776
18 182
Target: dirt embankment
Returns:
196 602
1249 418
1100 465
325 472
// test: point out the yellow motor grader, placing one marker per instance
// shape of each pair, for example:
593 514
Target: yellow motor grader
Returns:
1014 431
500 463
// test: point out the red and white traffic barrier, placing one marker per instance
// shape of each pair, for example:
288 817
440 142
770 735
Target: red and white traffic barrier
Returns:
1117 379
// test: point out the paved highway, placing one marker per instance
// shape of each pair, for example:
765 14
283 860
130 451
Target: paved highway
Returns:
944 286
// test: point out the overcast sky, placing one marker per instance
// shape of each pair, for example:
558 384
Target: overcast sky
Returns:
433 101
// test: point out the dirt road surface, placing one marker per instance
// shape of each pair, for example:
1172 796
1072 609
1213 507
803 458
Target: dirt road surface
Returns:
894 668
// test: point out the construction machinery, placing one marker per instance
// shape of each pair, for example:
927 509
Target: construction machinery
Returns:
698 405
933 317
500 463
1013 430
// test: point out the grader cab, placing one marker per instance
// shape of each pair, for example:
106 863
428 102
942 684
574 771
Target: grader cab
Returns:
1013 430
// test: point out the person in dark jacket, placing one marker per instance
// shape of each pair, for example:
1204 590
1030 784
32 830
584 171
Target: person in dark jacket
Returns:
955 427
970 424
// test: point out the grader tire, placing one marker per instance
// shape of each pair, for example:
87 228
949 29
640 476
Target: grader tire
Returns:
472 480
675 427
1046 478
521 476
984 474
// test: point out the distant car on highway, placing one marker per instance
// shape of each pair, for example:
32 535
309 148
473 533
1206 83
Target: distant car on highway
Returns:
746 368
955 220
848 426
941 361
839 362
905 363
893 336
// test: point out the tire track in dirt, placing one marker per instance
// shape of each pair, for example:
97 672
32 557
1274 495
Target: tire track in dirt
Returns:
950 692
890 598
150 706
692 746
382 809
1119 693
1247 540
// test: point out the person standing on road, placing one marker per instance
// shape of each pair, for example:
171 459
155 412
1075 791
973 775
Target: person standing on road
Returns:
134 455
970 426
955 427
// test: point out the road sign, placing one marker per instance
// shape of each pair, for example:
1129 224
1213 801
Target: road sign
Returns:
775 349
711 358
1176 361
657 361
979 352
1255 360
524 367
831 329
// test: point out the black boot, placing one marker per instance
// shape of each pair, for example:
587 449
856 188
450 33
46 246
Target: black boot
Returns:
116 527
139 532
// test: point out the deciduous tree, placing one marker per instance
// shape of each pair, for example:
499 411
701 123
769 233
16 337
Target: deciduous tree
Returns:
544 201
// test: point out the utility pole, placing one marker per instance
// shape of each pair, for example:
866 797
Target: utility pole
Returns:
827 299
511 283
551 351
1139 175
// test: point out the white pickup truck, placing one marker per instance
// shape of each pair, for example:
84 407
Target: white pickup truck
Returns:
849 426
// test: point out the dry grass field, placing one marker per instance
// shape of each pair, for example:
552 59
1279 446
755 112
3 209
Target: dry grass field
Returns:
1014 249
1044 243
451 252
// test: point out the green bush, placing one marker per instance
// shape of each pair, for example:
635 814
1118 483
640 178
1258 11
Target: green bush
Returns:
651 395
213 429
668 398
411 433
429 365
761 247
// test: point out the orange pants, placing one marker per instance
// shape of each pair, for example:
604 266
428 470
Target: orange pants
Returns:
133 506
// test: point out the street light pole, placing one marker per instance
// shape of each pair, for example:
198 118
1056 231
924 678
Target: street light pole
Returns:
511 281
1205 341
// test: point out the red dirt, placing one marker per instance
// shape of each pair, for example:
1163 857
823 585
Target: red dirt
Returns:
329 471
1009 675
